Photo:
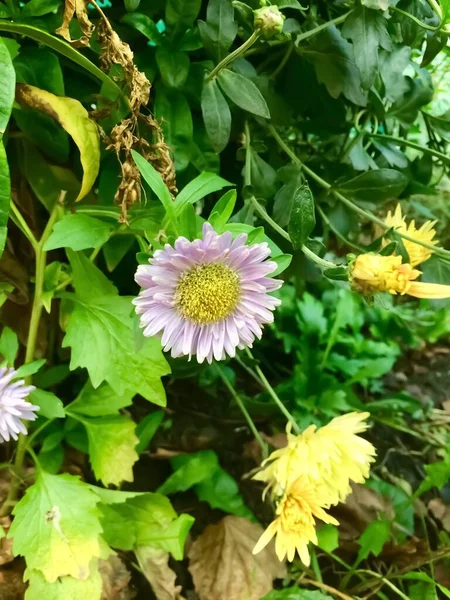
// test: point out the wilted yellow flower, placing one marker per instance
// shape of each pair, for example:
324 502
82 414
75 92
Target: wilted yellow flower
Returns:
417 253
294 525
330 456
372 273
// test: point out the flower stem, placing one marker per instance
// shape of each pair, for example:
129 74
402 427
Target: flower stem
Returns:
244 411
351 205
232 56
36 312
274 395
405 142
319 28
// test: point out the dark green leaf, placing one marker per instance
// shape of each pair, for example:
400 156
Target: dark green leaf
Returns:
375 186
182 12
8 79
392 65
438 475
5 195
154 180
373 538
172 108
333 60
50 406
192 470
38 8
367 30
420 93
220 28
173 66
147 428
216 115
243 92
198 188
302 218
436 270
263 175
144 24
337 274
221 491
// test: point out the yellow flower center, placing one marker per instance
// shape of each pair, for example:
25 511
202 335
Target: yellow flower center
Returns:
207 293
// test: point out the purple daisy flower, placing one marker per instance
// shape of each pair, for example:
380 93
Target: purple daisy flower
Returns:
13 406
207 297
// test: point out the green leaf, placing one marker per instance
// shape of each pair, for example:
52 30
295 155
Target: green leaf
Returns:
172 109
406 108
367 30
78 232
9 345
147 428
375 186
154 180
173 66
220 29
144 520
222 210
8 78
30 368
328 538
66 587
302 219
198 188
221 491
216 115
436 270
74 118
283 261
438 474
99 402
39 8
333 60
112 453
43 37
56 527
423 591
145 25
182 12
50 406
373 538
104 318
195 468
243 92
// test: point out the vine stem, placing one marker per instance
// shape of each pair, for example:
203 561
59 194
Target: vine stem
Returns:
244 411
233 55
274 395
392 138
319 28
351 205
36 312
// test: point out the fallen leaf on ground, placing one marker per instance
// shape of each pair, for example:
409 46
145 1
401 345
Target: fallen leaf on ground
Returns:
223 566
6 555
115 579
440 511
154 563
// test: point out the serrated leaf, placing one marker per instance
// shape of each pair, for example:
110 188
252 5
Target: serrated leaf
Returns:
50 406
9 345
67 588
223 566
78 232
56 527
112 442
216 115
302 219
99 402
373 538
195 468
74 118
243 92
367 30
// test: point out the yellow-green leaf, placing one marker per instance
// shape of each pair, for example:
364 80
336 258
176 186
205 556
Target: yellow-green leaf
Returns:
56 527
74 118
66 587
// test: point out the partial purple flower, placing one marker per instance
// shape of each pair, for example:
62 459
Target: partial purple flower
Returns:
13 406
207 297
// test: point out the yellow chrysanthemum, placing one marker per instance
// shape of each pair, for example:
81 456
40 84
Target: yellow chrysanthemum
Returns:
294 525
372 273
330 457
417 254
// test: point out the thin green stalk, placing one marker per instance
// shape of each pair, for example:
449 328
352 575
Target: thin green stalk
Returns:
274 395
283 61
36 312
23 225
233 55
415 19
351 205
405 142
244 411
319 28
336 232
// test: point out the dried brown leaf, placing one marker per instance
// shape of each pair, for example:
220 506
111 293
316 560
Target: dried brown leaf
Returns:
115 579
223 566
440 511
78 8
154 563
6 555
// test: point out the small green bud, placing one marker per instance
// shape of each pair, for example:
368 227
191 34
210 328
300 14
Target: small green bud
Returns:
268 21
